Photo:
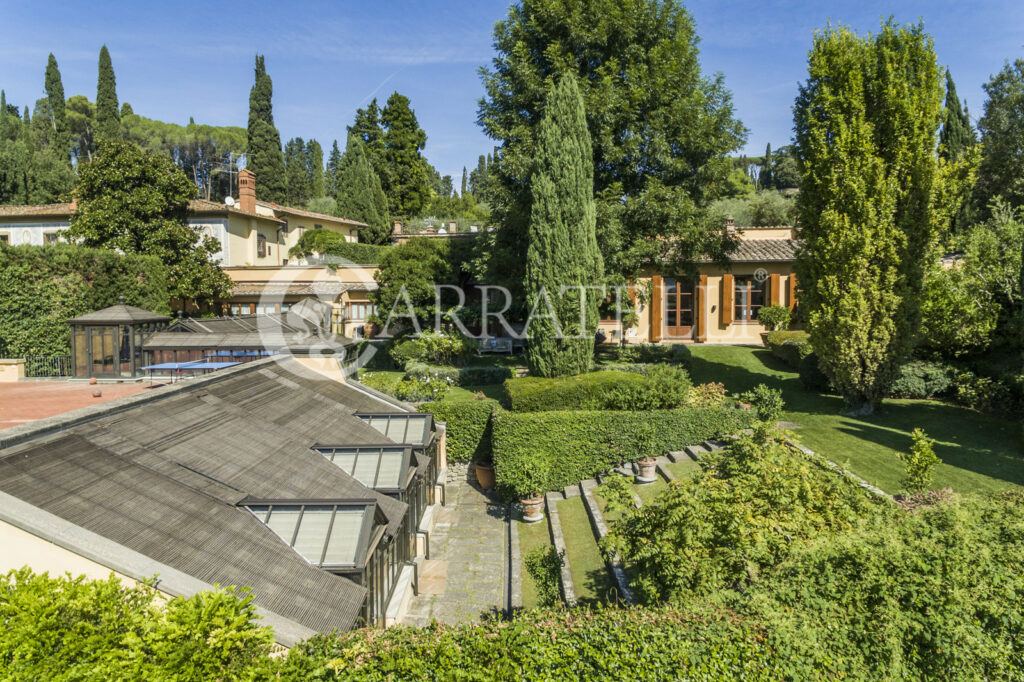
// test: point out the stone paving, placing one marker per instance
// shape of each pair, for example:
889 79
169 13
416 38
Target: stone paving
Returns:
465 574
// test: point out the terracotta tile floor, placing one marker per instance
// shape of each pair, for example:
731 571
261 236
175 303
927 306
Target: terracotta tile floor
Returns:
26 401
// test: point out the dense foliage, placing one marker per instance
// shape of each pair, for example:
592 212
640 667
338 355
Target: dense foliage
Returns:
660 387
329 247
408 275
790 346
137 202
108 115
660 128
562 257
535 452
43 287
74 629
866 124
264 156
469 427
359 195
1002 136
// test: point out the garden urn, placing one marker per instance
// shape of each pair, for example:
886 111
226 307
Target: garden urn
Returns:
647 470
484 475
533 508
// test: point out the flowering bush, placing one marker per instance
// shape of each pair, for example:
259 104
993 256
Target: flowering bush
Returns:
420 388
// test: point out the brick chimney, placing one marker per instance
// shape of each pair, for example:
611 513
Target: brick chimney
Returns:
247 191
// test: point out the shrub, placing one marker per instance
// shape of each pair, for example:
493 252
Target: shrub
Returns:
376 353
461 376
381 381
708 395
766 401
416 389
550 450
404 350
811 375
981 393
790 346
432 348
775 317
544 564
469 427
332 246
919 463
920 380
734 519
663 387
645 353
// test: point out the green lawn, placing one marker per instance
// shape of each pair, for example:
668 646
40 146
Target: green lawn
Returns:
531 536
589 574
979 453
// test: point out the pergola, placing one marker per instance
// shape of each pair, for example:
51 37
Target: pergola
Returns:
108 343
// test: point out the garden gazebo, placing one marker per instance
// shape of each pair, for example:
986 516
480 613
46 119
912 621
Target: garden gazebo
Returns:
108 343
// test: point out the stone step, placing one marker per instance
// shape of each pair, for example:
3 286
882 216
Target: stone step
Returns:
666 473
676 455
712 445
695 451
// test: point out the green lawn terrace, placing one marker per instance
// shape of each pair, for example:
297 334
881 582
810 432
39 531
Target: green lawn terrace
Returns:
979 453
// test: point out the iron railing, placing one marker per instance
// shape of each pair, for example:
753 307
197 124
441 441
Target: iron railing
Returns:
48 366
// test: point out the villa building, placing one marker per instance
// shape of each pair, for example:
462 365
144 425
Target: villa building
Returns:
315 492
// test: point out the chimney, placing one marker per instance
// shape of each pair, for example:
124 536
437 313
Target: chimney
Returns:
74 204
247 191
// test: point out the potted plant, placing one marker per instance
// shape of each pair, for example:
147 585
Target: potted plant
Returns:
648 470
531 489
774 318
484 469
533 507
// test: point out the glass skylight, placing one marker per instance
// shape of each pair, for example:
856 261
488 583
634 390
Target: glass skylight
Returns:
324 534
408 429
381 468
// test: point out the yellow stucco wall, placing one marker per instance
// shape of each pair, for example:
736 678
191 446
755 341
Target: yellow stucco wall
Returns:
21 548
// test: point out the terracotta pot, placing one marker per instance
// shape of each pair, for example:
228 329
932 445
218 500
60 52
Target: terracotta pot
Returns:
648 467
484 475
533 508
764 338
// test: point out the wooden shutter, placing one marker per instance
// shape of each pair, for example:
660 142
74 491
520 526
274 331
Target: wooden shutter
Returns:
775 289
702 309
657 303
792 290
728 296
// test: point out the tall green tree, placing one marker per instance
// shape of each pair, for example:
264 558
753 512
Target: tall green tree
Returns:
405 176
764 178
562 250
137 202
660 128
264 156
957 134
866 123
60 141
108 118
297 172
359 193
315 169
367 126
331 175
1002 136
465 184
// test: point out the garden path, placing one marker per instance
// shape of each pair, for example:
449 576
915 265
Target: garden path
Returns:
467 572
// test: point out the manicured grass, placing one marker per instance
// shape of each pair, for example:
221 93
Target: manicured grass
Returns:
979 453
531 536
684 468
648 491
589 574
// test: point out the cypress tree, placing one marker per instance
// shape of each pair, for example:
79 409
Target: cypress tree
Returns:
562 246
405 176
765 177
956 134
359 192
368 127
315 169
264 157
867 149
331 176
465 180
108 121
296 171
61 139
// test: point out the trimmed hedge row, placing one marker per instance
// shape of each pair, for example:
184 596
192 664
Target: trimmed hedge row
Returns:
660 387
469 427
790 346
535 452
460 376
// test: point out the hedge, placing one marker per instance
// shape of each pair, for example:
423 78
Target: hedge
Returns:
661 387
469 427
790 346
460 376
42 287
535 452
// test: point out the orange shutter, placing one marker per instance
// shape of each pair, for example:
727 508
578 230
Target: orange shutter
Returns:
775 290
657 301
792 290
702 309
728 295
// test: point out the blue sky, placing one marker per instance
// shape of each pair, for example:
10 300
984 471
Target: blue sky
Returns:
179 59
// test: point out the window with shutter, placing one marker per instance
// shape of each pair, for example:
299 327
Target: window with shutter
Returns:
727 298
